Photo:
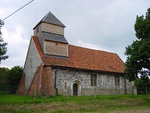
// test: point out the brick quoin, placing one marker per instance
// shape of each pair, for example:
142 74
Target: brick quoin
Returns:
42 83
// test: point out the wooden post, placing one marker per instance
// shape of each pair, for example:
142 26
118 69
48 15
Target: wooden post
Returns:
68 92
95 92
115 91
7 90
132 90
146 90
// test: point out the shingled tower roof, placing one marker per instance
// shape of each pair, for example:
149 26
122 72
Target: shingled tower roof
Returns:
50 18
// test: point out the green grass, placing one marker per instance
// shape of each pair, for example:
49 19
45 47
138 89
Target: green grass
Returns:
78 104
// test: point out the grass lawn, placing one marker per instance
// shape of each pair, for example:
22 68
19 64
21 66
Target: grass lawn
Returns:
81 104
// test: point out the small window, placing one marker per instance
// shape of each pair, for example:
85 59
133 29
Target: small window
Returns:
117 81
93 80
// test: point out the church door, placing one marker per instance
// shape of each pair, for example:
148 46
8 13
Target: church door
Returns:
75 89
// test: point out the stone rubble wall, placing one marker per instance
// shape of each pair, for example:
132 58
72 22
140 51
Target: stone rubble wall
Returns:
105 83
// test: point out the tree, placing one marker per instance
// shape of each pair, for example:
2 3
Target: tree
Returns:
138 54
3 73
10 78
142 82
14 77
142 85
3 48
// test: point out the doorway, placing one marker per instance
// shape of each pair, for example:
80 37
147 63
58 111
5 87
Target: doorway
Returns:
75 89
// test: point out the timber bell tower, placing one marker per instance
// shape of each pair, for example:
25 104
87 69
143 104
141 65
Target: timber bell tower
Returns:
50 34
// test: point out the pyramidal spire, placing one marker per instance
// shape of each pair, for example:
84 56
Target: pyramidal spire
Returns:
50 18
50 24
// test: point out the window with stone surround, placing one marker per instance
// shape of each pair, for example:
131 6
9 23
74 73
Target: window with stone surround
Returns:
117 81
93 79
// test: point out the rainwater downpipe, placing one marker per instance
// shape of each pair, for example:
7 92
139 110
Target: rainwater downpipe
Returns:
55 72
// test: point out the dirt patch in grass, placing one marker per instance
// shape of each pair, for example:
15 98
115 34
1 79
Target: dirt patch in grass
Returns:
84 104
135 110
42 107
70 107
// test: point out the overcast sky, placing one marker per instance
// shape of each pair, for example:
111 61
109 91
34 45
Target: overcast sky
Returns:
98 24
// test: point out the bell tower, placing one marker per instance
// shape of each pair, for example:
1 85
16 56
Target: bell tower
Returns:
50 33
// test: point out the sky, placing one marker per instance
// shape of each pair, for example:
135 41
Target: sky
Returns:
106 25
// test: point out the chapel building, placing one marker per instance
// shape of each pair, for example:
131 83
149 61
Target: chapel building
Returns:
53 66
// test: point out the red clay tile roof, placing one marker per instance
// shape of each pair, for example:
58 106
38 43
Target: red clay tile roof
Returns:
83 58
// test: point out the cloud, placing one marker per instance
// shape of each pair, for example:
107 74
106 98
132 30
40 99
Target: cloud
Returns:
89 45
16 48
100 24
